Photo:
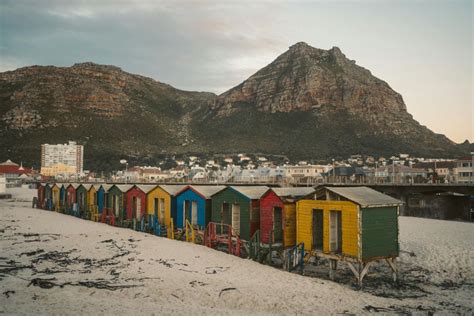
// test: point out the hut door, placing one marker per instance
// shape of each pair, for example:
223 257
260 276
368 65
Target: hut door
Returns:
236 218
335 231
186 212
318 229
277 225
162 210
194 212
155 207
116 204
138 208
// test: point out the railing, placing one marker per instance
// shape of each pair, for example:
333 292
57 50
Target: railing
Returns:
94 212
226 236
294 258
254 246
171 229
108 216
190 232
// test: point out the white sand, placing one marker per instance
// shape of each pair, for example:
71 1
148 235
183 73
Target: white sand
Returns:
181 278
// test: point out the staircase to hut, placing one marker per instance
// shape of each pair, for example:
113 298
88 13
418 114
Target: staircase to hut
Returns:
222 237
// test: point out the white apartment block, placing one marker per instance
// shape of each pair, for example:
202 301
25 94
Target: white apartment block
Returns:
464 171
300 171
62 159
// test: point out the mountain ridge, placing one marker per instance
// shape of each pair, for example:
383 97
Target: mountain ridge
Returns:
307 103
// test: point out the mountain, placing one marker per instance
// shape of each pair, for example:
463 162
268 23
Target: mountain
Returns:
311 102
308 103
113 113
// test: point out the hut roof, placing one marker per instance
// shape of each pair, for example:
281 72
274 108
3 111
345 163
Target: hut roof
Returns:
123 187
293 192
87 186
172 189
252 192
146 187
74 185
207 190
106 186
364 196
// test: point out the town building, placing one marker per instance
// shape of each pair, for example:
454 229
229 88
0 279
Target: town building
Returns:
440 171
304 173
464 172
62 159
13 172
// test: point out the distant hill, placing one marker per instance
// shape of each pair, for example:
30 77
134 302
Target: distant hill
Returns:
308 103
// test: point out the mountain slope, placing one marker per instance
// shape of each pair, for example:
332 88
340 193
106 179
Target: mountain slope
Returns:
308 103
113 113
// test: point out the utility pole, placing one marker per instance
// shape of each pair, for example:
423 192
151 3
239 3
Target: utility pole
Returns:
333 172
375 172
393 171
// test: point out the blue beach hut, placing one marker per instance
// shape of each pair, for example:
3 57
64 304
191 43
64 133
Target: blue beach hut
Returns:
193 203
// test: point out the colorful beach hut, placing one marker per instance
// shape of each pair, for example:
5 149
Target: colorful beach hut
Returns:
239 206
357 225
278 215
48 196
116 200
56 196
136 201
40 195
81 198
92 197
71 196
101 195
62 197
161 202
193 204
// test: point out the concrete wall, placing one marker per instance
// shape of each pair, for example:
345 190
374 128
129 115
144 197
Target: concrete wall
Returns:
446 207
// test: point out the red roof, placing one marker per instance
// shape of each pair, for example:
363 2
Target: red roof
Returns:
468 158
9 169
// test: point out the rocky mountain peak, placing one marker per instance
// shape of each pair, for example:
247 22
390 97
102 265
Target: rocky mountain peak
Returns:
305 78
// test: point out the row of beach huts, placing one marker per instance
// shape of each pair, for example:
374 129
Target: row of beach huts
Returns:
279 226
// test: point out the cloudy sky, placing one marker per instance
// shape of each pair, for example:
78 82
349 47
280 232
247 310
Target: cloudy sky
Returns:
423 49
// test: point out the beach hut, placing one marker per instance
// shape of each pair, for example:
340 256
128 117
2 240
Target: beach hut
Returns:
193 203
161 203
48 202
92 197
71 196
116 201
40 195
56 196
238 206
101 195
136 204
81 199
62 197
278 215
92 207
356 225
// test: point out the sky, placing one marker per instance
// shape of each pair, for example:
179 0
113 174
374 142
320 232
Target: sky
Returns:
422 49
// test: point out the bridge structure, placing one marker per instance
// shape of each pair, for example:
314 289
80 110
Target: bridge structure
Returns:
453 201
